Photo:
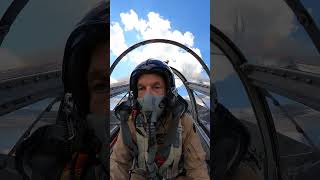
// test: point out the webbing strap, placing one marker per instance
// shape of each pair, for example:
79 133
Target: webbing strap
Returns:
173 158
177 153
168 162
177 112
169 168
127 138
142 142
146 154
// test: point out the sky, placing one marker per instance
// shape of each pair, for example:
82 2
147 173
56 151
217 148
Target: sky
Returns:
270 37
135 21
40 31
267 33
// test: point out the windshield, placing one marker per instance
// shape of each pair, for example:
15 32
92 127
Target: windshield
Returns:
4 4
37 37
268 33
35 44
312 6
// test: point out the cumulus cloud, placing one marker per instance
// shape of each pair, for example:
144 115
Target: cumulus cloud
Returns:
132 21
263 30
265 23
178 82
113 80
155 26
117 40
119 81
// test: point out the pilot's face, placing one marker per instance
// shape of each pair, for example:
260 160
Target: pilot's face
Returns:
151 83
97 79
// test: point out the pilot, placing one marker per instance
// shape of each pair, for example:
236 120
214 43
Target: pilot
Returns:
85 78
157 138
46 154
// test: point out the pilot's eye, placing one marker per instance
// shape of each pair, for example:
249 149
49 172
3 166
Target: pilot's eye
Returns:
140 88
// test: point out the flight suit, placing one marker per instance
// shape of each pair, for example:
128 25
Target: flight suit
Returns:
193 153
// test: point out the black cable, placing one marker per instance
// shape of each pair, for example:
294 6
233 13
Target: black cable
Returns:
120 100
201 100
292 120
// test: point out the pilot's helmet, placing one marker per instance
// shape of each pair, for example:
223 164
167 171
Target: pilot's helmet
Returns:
155 66
91 31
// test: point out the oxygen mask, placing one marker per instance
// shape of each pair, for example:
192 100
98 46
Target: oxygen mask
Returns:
151 107
151 110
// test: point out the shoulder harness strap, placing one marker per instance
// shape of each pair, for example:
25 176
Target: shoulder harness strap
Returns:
173 158
122 112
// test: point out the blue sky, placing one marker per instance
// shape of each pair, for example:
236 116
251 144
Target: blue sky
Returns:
192 16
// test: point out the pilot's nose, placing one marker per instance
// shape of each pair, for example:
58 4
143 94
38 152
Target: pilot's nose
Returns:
149 90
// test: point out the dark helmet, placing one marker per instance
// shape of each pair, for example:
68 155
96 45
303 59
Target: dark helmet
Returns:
92 30
153 66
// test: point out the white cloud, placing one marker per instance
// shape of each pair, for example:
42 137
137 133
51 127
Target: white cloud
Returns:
178 82
130 20
275 22
117 40
156 26
262 30
113 80
119 81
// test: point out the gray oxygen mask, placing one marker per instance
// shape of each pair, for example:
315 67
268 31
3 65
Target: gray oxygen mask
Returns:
151 109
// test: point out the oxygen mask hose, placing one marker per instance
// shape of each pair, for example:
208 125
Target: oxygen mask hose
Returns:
151 108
